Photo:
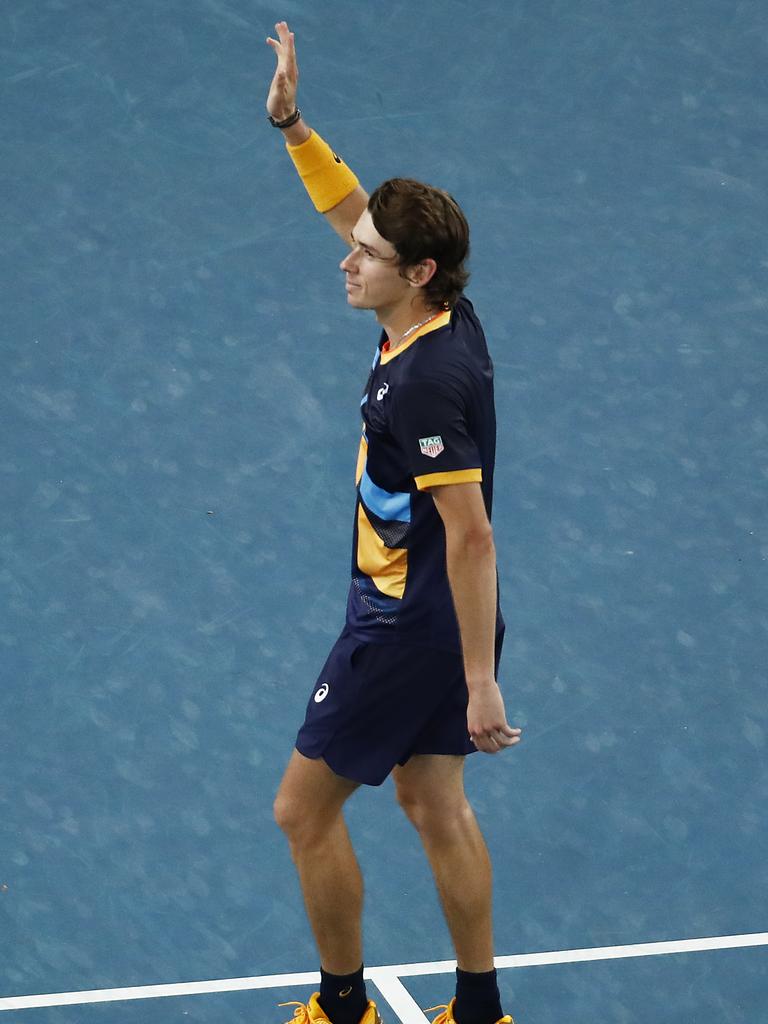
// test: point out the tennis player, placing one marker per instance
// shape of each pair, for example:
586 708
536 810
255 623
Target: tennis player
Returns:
409 688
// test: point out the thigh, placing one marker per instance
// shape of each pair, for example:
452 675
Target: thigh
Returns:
433 779
311 787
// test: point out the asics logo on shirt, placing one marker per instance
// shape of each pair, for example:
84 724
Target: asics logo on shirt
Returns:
381 392
322 693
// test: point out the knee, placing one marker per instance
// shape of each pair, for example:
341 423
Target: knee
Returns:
431 815
289 816
414 809
299 820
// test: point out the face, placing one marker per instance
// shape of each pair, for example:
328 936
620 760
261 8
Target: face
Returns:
373 279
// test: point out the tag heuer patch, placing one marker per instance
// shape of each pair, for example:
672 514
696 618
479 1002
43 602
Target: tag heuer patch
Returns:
431 446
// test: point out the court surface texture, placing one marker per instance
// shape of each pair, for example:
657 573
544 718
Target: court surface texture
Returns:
178 432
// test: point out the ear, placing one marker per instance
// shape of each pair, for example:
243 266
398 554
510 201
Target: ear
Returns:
421 273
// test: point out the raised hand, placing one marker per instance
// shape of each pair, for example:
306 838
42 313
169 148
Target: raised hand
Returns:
281 101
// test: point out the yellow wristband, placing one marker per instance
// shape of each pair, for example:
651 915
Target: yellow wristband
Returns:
326 177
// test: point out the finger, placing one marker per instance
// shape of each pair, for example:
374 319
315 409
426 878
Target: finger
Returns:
506 729
507 741
500 732
284 50
507 735
494 741
291 53
487 744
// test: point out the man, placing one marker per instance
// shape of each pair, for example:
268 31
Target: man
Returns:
410 686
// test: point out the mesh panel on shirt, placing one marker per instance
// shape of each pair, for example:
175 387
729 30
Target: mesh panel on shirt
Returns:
370 604
394 532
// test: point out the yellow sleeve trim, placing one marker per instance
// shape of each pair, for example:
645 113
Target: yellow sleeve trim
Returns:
458 476
326 177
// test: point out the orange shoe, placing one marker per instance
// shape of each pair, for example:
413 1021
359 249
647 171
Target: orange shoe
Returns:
312 1013
446 1017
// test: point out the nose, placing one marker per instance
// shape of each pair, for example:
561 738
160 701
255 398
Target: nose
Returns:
347 264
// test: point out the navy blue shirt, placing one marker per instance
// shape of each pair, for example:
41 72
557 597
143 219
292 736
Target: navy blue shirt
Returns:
428 419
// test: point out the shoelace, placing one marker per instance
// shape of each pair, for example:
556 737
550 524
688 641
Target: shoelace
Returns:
443 1018
301 1014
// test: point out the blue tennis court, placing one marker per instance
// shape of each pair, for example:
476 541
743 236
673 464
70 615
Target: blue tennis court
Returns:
179 425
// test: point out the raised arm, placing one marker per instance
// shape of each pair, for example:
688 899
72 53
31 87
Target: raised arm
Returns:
333 188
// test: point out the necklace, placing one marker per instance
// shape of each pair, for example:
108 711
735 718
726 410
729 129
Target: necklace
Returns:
411 329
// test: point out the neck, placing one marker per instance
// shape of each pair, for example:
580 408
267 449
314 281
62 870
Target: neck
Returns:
398 322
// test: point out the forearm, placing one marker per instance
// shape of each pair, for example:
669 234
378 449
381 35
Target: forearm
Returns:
471 563
297 133
331 185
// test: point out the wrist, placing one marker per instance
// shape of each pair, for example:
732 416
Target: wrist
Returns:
293 127
297 133
285 120
480 681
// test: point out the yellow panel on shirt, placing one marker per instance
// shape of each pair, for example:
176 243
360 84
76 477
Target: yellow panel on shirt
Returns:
362 455
387 567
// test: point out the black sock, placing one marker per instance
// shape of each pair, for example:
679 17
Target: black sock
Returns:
477 998
342 996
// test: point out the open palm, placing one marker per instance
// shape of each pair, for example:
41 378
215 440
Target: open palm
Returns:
281 101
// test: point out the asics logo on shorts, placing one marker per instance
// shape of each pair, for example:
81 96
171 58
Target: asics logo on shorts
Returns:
322 693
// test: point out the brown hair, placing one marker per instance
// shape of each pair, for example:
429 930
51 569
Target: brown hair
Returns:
423 222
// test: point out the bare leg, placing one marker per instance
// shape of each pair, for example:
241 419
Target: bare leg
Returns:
430 789
309 809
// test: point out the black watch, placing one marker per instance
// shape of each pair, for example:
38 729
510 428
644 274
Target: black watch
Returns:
291 119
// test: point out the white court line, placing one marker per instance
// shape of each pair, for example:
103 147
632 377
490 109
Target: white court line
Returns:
577 956
385 978
400 1000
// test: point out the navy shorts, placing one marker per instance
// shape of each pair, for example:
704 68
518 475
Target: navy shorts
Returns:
376 705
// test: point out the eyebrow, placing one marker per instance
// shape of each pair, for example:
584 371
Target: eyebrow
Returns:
364 245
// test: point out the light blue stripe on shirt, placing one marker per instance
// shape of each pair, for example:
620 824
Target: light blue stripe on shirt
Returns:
382 503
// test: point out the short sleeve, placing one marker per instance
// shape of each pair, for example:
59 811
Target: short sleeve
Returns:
429 421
